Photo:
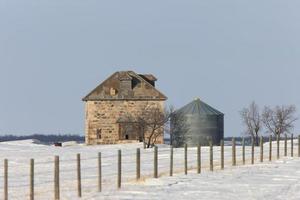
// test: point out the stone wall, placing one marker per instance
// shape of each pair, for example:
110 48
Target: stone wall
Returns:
101 119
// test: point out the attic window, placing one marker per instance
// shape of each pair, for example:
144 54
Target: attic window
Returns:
113 91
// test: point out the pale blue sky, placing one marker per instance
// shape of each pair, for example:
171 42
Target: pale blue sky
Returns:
228 53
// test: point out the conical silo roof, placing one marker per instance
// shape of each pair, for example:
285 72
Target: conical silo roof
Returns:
199 107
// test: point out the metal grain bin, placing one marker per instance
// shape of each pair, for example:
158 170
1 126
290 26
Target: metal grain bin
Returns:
203 123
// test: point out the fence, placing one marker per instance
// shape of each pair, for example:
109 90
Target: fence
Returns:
57 178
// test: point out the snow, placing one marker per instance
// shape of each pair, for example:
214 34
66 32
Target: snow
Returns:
279 179
69 143
29 142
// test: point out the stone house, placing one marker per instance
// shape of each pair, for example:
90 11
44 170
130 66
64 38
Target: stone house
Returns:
105 107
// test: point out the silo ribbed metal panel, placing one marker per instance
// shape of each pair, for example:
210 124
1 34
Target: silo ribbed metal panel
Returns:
203 122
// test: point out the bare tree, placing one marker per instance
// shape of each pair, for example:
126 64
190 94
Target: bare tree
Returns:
279 120
152 121
252 120
170 121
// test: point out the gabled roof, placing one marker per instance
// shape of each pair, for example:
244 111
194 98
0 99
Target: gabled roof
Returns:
102 91
199 107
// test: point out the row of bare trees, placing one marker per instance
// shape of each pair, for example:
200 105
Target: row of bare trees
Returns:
151 122
276 120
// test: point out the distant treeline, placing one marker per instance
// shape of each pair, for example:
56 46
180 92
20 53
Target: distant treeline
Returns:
50 139
227 140
236 138
47 139
248 140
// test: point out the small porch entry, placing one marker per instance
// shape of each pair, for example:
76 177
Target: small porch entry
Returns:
129 131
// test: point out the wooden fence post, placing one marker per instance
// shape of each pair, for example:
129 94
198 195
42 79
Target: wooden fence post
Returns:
285 145
119 169
56 178
292 145
138 164
270 148
31 172
243 151
185 159
171 161
78 175
211 156
99 172
261 149
252 151
198 159
155 162
222 153
233 152
278 146
5 179
298 145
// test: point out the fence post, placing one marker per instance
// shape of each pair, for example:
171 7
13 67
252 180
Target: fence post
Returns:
222 153
292 145
138 164
78 175
285 145
270 148
211 157
185 159
278 143
31 191
155 162
56 178
171 161
119 168
243 151
261 149
252 151
5 179
198 159
298 145
99 173
233 152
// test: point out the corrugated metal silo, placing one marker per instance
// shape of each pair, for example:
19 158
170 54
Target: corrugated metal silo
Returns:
203 122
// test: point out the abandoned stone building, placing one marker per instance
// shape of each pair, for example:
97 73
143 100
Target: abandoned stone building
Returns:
107 105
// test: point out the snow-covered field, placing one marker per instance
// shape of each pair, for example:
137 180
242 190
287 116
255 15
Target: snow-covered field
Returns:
279 179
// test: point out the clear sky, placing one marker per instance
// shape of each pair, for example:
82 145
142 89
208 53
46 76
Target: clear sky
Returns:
228 53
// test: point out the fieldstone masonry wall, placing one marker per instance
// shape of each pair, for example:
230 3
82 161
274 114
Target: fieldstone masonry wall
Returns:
102 116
